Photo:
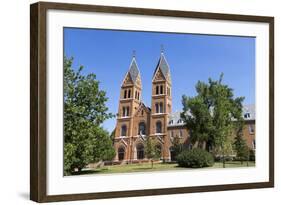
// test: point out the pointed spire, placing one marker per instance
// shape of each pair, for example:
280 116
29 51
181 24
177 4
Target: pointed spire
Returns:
162 64
134 70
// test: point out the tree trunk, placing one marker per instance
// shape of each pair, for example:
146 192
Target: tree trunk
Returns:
201 145
151 164
204 145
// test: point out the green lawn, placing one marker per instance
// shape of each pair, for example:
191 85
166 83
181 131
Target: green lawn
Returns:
146 167
233 164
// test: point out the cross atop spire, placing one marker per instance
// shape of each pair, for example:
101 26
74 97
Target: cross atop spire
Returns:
134 53
162 49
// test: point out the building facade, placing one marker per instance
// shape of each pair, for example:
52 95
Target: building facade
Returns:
136 121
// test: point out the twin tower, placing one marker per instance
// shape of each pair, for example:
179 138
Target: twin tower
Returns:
136 121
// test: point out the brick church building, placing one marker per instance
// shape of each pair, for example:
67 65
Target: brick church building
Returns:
136 121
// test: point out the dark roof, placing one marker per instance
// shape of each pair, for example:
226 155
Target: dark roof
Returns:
133 70
162 63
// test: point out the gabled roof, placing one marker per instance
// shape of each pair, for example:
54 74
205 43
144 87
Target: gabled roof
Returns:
163 66
143 105
134 70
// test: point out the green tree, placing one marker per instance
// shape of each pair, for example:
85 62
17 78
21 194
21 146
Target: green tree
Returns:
103 146
112 135
197 117
177 146
240 146
151 151
84 112
210 116
227 111
224 151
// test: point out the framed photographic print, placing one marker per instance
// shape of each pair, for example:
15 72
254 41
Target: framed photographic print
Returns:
136 102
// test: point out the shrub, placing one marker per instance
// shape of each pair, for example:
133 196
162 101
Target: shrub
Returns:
195 158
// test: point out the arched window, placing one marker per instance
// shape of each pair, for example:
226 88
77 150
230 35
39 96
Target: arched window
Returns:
158 127
125 93
123 130
161 89
140 151
129 94
161 110
157 90
136 95
141 128
121 153
156 107
125 111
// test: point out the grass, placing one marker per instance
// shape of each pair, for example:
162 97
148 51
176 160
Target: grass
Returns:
234 164
146 167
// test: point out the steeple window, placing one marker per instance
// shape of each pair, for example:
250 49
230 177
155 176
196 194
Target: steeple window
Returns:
129 94
125 94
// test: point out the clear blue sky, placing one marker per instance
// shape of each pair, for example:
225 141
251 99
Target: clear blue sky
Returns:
191 58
